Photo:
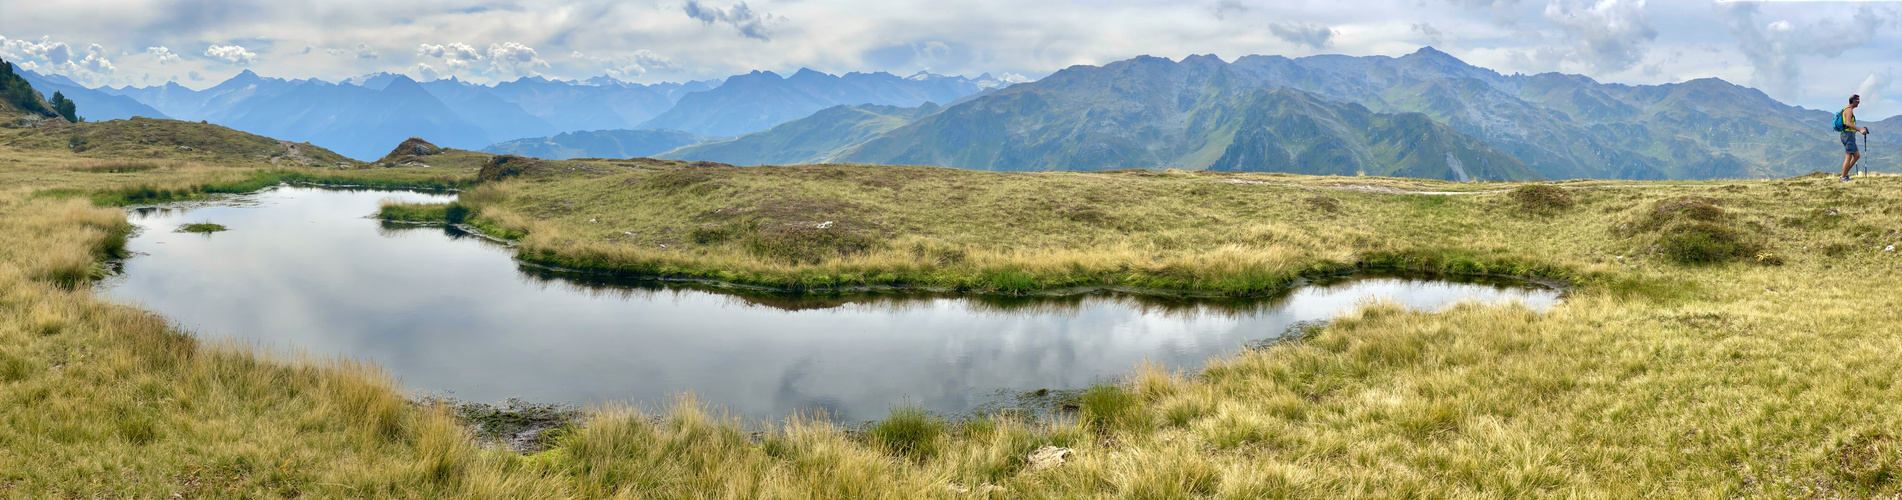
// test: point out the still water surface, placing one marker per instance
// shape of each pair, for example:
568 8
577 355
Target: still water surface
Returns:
448 314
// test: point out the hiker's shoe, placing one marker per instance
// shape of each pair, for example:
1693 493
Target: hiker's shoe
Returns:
1844 179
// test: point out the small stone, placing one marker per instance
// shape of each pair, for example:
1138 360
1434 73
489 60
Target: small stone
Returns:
1048 457
594 220
825 225
1890 249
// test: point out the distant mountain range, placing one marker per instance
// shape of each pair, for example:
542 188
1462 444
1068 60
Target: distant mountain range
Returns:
597 144
93 105
1426 114
814 139
760 100
360 117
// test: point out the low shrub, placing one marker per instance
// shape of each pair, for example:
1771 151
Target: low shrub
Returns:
711 234
1541 198
908 432
808 243
1700 242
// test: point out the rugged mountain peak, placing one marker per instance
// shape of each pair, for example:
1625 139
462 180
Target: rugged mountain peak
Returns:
402 83
1430 52
1203 58
810 73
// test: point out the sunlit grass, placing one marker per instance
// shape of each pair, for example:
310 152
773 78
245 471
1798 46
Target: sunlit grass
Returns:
1660 376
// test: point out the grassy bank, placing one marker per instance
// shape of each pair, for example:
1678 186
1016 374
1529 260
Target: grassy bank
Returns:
1728 339
844 227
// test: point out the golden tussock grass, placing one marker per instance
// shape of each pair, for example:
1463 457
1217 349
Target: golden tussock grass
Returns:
1741 378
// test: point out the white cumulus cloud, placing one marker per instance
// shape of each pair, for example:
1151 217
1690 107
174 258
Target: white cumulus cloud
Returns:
1608 35
231 54
163 55
514 59
365 51
456 56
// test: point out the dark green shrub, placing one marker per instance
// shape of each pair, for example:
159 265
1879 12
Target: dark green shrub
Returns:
1669 210
455 213
1699 242
1541 198
908 432
202 228
713 233
508 166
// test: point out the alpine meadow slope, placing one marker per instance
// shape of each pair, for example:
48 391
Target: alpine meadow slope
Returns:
1720 339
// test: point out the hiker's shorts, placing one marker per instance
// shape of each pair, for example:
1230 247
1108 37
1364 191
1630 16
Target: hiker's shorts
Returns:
1849 142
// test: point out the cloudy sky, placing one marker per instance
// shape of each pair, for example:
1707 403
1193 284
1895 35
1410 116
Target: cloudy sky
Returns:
1808 53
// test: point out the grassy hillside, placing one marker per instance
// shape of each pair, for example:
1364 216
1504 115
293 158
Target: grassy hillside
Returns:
17 97
1724 339
150 139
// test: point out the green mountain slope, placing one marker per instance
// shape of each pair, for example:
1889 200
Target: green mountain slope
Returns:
1153 113
1196 114
813 139
1288 130
596 144
18 98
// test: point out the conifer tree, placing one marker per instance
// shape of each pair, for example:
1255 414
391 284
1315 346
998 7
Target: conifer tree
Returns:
65 107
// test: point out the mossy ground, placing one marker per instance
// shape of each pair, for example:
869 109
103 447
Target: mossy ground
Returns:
1732 377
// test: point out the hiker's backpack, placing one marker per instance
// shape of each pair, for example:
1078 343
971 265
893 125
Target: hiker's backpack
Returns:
1839 127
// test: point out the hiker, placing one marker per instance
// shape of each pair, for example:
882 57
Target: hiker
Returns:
1846 124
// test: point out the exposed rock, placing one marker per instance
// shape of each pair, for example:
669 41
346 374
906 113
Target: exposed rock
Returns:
1048 457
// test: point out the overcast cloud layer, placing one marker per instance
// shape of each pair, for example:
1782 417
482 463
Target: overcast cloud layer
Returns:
1808 53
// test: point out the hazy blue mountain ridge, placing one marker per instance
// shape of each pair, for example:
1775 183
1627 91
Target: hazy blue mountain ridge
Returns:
762 99
813 139
597 144
92 104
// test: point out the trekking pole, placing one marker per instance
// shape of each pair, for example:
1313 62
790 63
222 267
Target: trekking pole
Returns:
1865 150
